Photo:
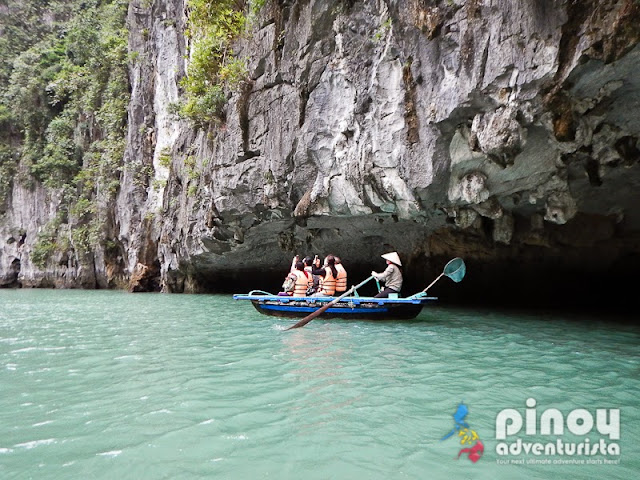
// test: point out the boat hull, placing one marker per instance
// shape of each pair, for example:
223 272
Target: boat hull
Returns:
355 308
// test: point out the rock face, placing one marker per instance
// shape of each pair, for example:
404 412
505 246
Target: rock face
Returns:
504 132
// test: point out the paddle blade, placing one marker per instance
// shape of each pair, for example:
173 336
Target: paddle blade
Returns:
455 269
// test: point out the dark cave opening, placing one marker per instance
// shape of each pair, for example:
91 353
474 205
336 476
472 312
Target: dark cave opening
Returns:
587 265
508 285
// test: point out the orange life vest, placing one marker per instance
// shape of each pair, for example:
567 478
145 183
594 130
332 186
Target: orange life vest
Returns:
328 282
307 271
341 279
301 285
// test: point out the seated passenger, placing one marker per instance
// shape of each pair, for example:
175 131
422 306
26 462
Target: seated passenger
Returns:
303 279
341 278
328 274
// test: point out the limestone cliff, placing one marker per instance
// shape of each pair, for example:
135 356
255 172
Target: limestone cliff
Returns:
504 132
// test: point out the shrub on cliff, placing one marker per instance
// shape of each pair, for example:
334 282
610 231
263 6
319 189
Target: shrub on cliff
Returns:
213 69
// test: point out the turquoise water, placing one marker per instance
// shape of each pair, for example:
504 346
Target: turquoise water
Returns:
108 385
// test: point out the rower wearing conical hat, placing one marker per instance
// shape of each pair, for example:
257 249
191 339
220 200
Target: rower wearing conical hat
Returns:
392 276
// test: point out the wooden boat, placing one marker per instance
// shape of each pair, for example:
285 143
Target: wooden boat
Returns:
354 307
349 305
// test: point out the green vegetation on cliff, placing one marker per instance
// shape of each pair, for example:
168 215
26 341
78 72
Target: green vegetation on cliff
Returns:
214 68
64 92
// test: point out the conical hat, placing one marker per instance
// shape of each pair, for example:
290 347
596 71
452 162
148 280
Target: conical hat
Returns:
393 258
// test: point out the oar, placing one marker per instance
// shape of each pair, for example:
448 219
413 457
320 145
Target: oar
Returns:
455 270
323 309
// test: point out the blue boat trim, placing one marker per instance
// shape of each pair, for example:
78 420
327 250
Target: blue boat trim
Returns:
347 307
353 300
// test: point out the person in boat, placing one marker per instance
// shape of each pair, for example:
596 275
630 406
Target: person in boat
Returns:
315 279
312 281
328 274
392 276
303 280
308 263
316 263
341 278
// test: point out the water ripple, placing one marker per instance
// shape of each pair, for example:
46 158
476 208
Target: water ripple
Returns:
105 385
